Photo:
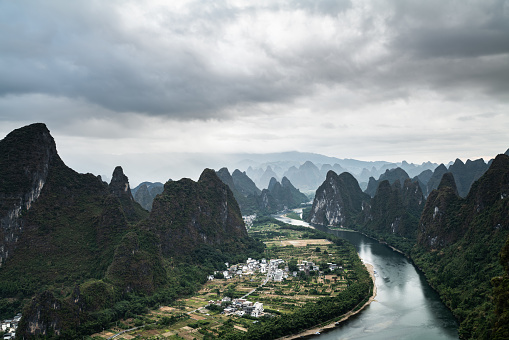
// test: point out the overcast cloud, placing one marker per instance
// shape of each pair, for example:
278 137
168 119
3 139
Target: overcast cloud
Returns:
372 80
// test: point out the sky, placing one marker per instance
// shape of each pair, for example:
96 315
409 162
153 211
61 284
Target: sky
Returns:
171 85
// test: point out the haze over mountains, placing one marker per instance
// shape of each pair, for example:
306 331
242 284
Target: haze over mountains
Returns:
308 176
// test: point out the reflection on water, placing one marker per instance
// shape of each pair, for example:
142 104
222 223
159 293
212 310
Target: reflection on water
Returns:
405 308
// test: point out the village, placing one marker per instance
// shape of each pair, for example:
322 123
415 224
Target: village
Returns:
8 327
275 270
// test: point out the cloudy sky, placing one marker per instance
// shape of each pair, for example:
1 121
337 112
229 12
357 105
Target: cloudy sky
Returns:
143 80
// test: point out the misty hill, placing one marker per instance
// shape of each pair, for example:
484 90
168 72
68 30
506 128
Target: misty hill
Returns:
309 175
423 178
145 193
244 184
243 188
464 175
73 246
392 175
268 174
278 195
306 177
467 173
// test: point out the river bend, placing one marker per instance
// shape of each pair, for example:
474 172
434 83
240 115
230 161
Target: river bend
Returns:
405 306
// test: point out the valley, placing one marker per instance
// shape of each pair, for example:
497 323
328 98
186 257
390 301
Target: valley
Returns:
297 270
97 258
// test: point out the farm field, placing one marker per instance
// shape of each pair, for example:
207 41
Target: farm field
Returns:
313 268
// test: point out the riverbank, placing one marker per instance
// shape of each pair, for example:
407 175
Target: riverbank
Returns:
345 317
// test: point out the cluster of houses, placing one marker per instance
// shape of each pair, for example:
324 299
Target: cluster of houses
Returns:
8 327
271 268
248 220
240 307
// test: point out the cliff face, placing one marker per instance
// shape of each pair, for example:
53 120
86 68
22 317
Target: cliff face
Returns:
439 225
394 209
458 248
26 155
119 187
189 214
338 201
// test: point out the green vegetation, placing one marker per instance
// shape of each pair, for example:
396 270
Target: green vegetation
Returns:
89 255
291 305
455 241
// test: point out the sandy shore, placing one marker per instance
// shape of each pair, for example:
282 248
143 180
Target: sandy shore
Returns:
312 331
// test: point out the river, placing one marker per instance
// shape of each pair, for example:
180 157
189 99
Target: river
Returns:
405 306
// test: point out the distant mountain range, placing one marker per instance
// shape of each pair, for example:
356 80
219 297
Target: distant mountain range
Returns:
278 196
309 176
145 193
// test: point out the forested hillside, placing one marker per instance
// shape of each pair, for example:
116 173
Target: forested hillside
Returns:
456 241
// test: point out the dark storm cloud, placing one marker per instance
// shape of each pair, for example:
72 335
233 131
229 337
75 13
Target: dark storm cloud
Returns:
82 52
206 59
452 29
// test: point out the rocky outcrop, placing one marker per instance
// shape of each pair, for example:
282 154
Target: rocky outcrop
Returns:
189 214
26 155
119 187
338 201
45 316
438 226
